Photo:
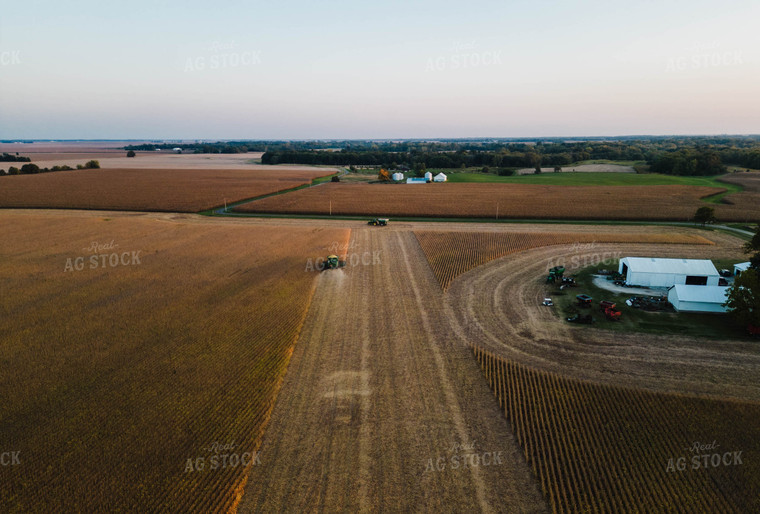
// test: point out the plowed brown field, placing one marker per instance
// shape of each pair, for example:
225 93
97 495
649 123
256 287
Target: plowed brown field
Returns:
488 200
181 190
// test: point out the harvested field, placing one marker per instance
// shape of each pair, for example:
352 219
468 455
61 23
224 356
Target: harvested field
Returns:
162 160
483 200
497 306
599 448
378 395
742 206
121 384
180 190
452 253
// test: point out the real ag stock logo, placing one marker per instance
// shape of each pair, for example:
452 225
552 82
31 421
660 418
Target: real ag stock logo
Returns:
8 459
463 456
103 255
704 456
221 456
221 55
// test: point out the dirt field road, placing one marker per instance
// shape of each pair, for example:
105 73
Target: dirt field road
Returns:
497 306
381 409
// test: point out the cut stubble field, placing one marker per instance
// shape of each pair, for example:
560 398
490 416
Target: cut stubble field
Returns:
168 190
519 201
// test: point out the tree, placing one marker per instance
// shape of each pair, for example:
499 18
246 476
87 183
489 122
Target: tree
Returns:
383 175
90 165
753 245
557 169
13 170
743 301
538 169
744 298
704 215
131 153
30 168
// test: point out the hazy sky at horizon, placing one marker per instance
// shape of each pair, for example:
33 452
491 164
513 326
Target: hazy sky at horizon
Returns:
338 69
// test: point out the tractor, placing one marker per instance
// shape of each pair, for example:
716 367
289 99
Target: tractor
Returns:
378 222
332 262
555 274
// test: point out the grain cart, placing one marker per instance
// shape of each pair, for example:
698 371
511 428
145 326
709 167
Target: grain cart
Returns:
584 300
609 310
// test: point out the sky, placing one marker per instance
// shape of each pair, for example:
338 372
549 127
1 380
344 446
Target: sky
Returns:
385 69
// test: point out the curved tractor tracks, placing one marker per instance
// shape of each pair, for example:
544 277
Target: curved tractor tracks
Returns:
497 306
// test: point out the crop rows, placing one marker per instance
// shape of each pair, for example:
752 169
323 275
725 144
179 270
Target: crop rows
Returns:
452 253
598 448
188 190
112 379
521 201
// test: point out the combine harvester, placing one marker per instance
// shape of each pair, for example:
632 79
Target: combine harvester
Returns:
332 262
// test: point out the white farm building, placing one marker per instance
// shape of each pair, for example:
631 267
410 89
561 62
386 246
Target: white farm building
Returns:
428 176
697 298
441 177
654 272
739 268
398 177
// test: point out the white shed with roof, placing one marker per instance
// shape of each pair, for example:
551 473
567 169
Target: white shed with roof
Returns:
742 266
441 177
656 272
697 298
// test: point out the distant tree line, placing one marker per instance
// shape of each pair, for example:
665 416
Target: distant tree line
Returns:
6 157
32 169
677 156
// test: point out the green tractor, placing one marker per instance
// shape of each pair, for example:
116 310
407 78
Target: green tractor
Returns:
381 222
332 262
555 274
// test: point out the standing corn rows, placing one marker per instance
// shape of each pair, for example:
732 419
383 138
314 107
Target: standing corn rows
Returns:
599 448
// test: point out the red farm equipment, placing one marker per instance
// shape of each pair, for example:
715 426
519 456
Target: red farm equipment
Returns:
609 310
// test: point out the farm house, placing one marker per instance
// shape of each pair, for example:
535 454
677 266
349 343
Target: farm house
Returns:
697 298
742 266
441 177
655 272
